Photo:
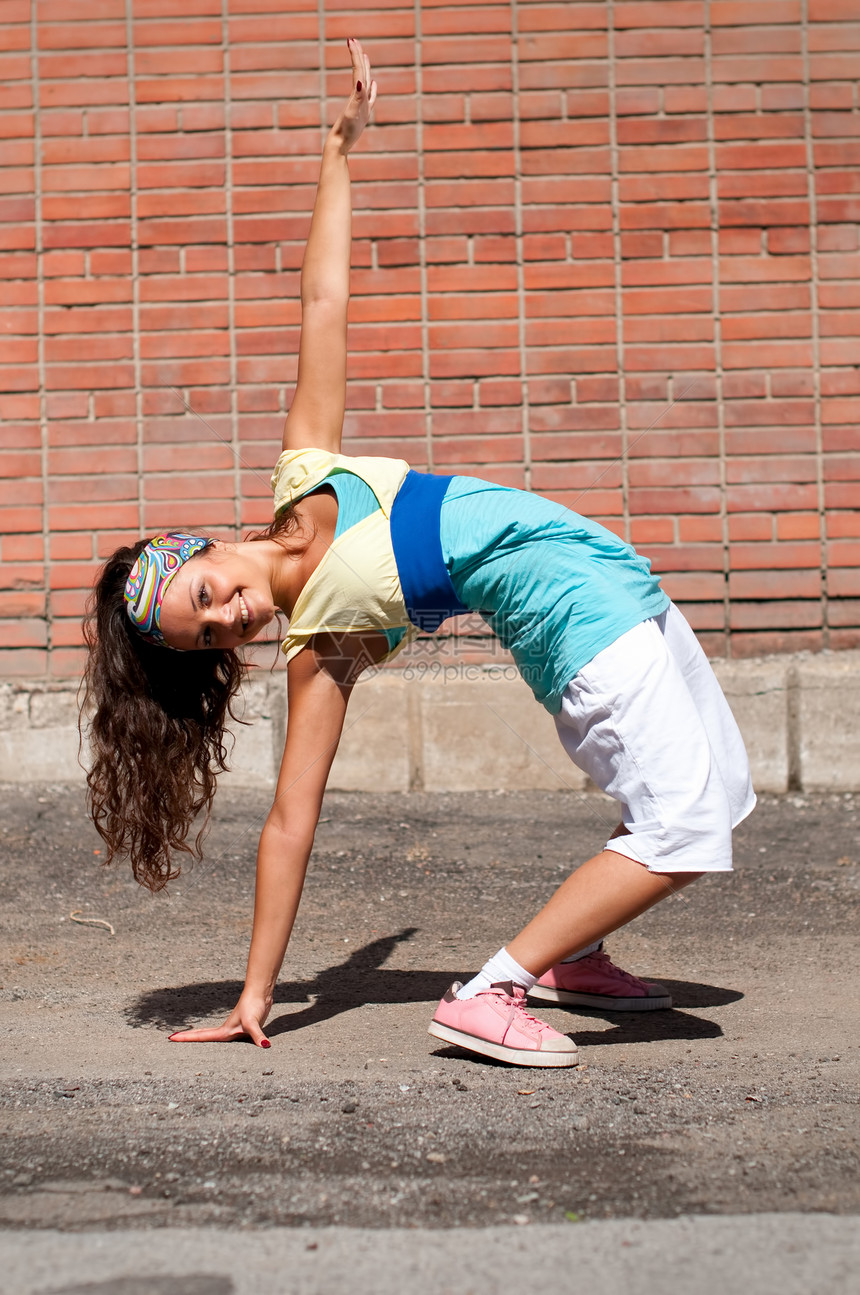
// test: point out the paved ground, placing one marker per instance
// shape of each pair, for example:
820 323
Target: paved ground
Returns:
762 1254
725 1128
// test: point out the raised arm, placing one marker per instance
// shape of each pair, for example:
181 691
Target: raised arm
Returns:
315 419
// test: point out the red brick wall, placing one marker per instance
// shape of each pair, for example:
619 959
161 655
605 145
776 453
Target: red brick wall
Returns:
605 250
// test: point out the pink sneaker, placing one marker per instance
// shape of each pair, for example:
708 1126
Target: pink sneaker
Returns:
595 981
496 1023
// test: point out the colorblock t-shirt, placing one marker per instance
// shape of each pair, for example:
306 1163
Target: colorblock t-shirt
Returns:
555 587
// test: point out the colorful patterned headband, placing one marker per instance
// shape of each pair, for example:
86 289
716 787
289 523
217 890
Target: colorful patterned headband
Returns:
148 579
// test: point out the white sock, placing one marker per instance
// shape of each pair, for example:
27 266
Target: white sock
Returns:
500 967
583 953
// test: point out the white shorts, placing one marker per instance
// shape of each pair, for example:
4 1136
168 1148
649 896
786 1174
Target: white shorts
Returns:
648 722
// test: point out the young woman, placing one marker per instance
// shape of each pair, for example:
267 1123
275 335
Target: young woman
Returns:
362 553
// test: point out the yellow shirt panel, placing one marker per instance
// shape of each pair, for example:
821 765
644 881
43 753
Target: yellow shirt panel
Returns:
356 586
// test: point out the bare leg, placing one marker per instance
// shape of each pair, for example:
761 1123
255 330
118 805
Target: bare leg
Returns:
605 893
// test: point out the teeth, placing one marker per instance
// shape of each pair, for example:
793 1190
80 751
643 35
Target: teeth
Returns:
243 608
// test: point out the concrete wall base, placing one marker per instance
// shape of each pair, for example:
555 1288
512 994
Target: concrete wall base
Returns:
800 717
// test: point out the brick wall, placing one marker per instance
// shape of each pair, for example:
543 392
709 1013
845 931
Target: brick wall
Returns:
608 251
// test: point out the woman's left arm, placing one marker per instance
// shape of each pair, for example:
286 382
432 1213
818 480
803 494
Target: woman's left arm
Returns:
320 681
316 414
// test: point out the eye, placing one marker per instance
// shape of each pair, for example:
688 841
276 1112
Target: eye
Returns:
207 637
203 597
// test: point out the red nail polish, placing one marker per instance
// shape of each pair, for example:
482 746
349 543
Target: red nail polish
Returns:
264 1043
358 87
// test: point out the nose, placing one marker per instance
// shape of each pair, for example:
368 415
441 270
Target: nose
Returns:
223 616
228 615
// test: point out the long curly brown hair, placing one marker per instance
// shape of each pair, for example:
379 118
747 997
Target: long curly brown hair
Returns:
155 722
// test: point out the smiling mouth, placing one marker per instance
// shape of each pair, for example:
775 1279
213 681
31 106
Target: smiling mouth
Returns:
244 613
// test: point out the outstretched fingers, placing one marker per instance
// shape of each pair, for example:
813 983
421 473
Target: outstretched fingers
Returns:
223 1034
359 59
364 87
370 85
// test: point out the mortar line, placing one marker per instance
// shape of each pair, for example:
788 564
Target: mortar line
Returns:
422 234
38 235
716 319
618 266
231 270
815 322
135 265
415 738
793 758
580 795
525 419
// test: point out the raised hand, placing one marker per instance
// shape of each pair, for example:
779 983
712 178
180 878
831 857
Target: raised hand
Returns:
247 1018
359 106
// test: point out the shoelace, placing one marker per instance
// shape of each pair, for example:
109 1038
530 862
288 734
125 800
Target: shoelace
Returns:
523 1016
601 957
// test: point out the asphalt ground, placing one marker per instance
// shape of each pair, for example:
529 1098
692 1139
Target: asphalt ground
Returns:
724 1128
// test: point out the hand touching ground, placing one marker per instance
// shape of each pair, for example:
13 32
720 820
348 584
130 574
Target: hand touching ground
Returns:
247 1018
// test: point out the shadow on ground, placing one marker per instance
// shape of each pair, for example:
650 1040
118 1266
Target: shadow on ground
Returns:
362 979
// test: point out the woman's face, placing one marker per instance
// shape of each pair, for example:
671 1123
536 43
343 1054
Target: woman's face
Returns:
220 598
